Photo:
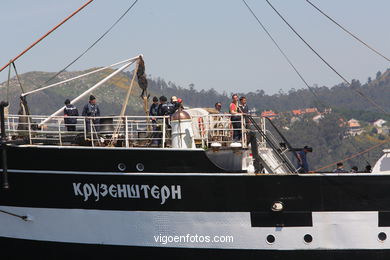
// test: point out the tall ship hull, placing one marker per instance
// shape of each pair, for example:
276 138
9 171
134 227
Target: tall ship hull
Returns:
58 211
177 182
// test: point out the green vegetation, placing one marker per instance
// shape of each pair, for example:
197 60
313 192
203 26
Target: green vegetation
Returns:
331 143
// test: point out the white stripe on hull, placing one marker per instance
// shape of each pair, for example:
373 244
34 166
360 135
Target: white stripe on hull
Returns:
331 230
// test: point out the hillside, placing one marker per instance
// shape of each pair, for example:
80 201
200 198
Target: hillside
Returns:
110 96
339 97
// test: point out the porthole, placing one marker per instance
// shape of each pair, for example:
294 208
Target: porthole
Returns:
140 167
270 239
121 167
382 236
308 238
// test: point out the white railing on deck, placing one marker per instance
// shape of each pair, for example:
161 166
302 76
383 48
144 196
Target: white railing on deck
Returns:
127 131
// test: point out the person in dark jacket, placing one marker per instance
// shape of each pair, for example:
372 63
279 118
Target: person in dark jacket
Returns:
302 160
163 100
154 109
153 113
165 109
91 110
70 110
243 107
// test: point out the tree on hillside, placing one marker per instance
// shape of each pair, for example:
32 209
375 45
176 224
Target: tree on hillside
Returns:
378 75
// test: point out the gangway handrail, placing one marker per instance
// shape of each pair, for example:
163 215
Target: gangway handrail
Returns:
284 139
273 146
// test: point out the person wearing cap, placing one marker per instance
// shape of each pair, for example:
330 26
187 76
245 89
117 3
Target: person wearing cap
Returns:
154 109
70 111
303 166
165 109
91 110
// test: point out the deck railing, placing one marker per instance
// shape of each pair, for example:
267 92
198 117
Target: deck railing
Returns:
127 131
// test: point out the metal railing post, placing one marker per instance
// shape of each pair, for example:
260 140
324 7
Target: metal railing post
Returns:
90 124
126 133
206 129
85 129
3 140
59 132
8 125
13 125
242 130
202 131
29 129
163 133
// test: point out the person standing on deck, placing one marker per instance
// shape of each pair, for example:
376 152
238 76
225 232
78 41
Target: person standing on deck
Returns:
235 118
243 108
175 103
340 168
153 113
302 160
70 110
218 107
91 110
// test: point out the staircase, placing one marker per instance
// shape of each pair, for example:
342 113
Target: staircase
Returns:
272 155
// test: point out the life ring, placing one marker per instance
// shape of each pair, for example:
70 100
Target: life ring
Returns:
201 126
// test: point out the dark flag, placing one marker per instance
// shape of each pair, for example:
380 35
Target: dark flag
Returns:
142 81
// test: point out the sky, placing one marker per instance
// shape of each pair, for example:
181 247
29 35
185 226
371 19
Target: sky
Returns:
210 43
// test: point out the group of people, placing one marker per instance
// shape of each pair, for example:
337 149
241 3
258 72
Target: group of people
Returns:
91 109
354 169
303 165
237 108
161 106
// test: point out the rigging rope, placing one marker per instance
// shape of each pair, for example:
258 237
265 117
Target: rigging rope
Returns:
284 54
330 66
347 31
14 215
94 43
45 35
287 59
352 156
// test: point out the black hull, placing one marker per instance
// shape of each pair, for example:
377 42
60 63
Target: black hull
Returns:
50 250
202 193
107 159
40 187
